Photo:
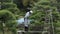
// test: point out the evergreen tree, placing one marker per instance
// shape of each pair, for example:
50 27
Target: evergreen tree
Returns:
8 15
41 8
45 11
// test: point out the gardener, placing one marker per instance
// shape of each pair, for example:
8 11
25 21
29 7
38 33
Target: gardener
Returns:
29 12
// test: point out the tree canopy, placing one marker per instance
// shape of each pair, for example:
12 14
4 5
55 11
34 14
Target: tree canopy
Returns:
44 12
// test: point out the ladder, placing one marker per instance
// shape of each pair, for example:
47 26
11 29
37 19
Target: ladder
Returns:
48 23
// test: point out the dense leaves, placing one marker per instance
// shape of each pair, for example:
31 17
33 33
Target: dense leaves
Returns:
43 10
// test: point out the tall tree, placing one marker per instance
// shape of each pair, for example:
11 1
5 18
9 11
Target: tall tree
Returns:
46 6
8 15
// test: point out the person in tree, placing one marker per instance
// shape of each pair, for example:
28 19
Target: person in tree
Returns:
29 12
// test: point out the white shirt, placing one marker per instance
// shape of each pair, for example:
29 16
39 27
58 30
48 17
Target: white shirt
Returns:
27 14
26 23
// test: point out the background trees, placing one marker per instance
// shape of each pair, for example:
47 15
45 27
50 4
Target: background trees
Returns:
8 16
7 20
45 11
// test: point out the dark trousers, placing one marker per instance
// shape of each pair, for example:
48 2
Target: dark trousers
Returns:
26 28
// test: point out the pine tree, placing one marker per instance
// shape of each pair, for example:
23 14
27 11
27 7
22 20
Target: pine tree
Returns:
41 8
8 14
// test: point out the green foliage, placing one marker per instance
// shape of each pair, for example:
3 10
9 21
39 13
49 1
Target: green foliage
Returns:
11 7
39 7
8 18
23 4
8 15
6 0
